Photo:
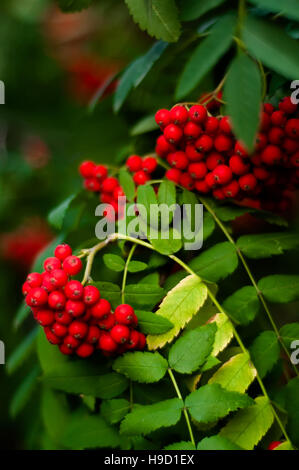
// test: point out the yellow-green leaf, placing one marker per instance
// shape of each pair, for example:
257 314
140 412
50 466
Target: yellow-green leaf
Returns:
236 374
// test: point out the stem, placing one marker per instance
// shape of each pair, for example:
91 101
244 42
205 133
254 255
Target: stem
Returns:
133 248
184 409
252 279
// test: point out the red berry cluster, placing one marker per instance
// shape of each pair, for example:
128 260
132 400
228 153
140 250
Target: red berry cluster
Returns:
141 168
206 157
76 317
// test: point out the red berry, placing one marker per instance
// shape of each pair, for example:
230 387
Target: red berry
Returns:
261 173
86 169
71 342
124 314
91 295
261 142
178 115
222 174
92 184
140 177
239 149
93 335
45 317
109 184
295 160
223 143
133 340
100 172
56 300
192 130
78 329
231 190
268 108
106 343
149 164
218 194
74 290
107 321
59 330
271 155
163 147
36 297
265 122
211 125
186 181
204 143
225 125
248 182
173 133
193 153
62 251
64 318
84 350
197 171
120 334
173 175
134 163
142 341
276 135
292 128
278 118
76 308
52 263
34 279
26 288
287 106
72 265
214 159
162 117
65 350
51 337
178 160
238 166
273 445
101 308
202 187
290 145
48 284
210 181
57 278
198 113
118 192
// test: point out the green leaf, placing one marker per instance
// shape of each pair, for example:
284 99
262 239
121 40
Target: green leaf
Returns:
167 193
73 5
115 410
270 44
183 445
243 305
20 354
82 378
48 356
146 196
248 427
265 352
291 405
192 349
151 323
88 432
68 214
236 374
22 313
224 333
172 242
114 262
228 212
110 292
152 278
56 216
179 306
267 244
217 443
144 367
284 446
216 262
288 8
136 72
146 124
289 333
55 413
192 9
209 225
149 418
159 19
280 288
23 392
136 266
143 295
206 55
127 184
243 94
212 402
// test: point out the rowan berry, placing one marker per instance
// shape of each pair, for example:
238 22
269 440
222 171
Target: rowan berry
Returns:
56 300
57 278
193 153
34 279
248 182
225 125
45 317
231 190
84 350
109 184
214 159
218 194
179 115
197 171
163 147
149 164
204 143
59 330
36 297
210 180
100 172
86 169
124 314
287 106
120 334
238 166
260 142
134 163
292 128
52 263
261 173
92 184
142 341
26 288
239 149
133 340
101 308
73 290
78 329
192 130
62 251
265 122
276 135
173 175
106 343
268 108
178 160
65 350
186 181
71 342
93 334
140 177
51 337
211 125
223 143
271 155
290 145
107 321
72 265
63 317
294 160
162 117
76 308
222 174
278 118
173 133
198 113
202 187
91 295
